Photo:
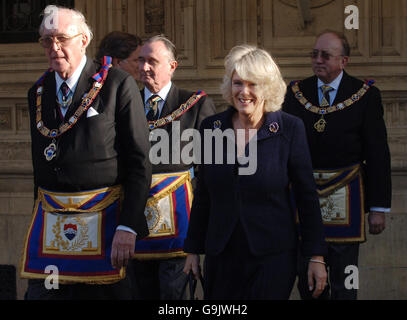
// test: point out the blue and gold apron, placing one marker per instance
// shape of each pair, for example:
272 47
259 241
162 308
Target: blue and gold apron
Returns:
167 212
341 198
74 232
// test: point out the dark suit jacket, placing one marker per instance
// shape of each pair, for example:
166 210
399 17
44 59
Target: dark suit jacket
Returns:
191 119
107 149
354 135
261 201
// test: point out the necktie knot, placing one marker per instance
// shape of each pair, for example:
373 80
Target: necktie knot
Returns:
65 89
66 95
326 88
325 95
152 107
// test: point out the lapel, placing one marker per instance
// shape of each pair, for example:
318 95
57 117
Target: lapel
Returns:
49 107
272 126
172 101
84 84
309 88
345 90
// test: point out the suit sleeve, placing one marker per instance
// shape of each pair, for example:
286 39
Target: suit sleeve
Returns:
376 153
31 110
199 217
304 190
134 147
206 109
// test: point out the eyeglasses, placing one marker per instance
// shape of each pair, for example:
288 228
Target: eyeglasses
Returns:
324 55
61 41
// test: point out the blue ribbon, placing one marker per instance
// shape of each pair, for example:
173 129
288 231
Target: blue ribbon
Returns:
106 65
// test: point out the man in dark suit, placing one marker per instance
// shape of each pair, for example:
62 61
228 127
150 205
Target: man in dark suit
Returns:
343 117
88 133
159 260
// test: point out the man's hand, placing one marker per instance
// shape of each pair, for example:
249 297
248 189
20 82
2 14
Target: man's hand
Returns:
122 248
192 263
377 222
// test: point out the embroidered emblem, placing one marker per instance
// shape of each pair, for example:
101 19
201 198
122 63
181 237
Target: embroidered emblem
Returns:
274 127
77 240
217 124
152 216
70 231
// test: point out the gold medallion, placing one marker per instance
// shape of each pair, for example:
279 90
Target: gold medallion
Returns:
320 124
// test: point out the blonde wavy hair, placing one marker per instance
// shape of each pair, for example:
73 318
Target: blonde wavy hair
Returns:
257 66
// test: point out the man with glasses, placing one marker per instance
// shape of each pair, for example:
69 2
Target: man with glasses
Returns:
347 137
91 169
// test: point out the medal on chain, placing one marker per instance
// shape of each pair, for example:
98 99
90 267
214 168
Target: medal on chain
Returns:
50 151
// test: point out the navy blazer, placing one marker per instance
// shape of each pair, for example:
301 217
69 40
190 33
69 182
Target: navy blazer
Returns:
260 201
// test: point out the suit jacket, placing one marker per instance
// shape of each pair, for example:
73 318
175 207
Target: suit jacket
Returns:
260 201
356 134
107 149
191 119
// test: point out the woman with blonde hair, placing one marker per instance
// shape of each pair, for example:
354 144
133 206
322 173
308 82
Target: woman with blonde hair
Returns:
245 224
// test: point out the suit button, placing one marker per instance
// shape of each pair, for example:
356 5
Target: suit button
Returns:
56 169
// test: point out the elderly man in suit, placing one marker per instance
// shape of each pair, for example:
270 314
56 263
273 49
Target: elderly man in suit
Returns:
343 117
91 168
159 260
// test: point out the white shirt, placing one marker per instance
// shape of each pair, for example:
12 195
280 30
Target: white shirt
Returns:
163 94
72 81
332 95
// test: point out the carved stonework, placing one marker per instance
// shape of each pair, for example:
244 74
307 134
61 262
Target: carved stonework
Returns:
22 118
312 3
154 16
5 119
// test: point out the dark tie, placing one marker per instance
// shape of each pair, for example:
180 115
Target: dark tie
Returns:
152 107
66 93
325 101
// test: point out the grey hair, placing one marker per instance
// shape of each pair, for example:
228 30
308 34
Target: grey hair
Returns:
51 11
172 50
257 66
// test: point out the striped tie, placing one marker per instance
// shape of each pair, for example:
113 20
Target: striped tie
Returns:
325 96
152 107
66 95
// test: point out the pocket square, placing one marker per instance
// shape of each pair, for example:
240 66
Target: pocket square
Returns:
91 113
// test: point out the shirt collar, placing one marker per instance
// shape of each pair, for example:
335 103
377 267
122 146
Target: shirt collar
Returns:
334 84
163 93
72 81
